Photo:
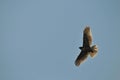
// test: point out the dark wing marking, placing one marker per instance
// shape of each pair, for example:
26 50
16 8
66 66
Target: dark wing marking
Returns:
82 56
87 37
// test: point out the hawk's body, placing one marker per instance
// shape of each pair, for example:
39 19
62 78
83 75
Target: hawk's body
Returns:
86 49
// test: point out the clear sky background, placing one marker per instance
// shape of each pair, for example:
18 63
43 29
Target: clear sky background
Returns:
39 39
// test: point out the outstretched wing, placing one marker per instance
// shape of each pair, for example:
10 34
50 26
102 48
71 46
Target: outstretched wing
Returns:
82 56
87 37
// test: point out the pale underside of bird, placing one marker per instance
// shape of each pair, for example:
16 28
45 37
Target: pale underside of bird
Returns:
86 49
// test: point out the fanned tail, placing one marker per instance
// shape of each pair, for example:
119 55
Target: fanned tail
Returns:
95 50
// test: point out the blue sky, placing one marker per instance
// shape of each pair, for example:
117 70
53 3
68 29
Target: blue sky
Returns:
39 39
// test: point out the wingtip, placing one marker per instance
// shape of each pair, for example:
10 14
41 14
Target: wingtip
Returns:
87 26
77 63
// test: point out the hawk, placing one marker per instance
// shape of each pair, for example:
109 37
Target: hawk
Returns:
86 49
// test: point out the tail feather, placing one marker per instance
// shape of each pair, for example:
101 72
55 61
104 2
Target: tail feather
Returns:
95 50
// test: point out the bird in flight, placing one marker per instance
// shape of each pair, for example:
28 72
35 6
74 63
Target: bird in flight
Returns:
86 49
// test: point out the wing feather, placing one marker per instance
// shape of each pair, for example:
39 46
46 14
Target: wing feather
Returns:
87 37
82 56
